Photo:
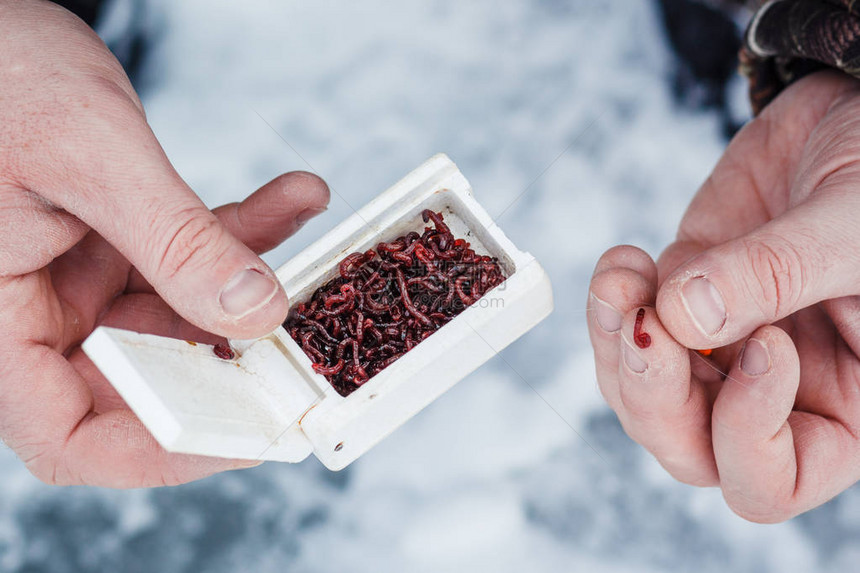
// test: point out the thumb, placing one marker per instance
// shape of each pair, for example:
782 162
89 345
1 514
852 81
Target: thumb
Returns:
117 179
805 256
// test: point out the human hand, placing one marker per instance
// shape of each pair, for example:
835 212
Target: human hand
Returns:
765 270
97 228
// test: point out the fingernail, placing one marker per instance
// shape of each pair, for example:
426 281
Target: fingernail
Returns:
247 291
308 214
755 359
705 304
632 359
607 317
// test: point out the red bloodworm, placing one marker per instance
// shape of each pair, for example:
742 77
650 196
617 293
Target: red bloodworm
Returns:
475 291
375 307
359 300
402 257
407 302
341 348
372 331
396 313
642 339
329 370
223 351
412 236
308 347
449 298
361 376
372 280
388 348
424 255
321 330
392 332
440 225
347 294
425 283
359 327
413 245
391 247
458 286
355 354
388 361
349 266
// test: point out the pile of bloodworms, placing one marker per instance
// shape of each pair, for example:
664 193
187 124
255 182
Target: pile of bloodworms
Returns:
385 302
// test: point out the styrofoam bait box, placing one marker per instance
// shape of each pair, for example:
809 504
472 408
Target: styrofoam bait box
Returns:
269 404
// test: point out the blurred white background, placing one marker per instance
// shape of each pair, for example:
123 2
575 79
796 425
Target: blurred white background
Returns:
563 116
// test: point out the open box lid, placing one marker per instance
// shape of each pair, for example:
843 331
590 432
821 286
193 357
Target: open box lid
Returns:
195 402
269 404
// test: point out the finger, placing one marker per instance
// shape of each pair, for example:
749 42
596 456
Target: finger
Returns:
86 279
116 450
628 257
104 396
675 255
34 232
667 410
751 183
48 420
800 258
105 166
276 210
707 369
844 313
149 314
621 282
267 217
754 442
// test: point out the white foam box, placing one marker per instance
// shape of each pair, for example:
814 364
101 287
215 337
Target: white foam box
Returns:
269 404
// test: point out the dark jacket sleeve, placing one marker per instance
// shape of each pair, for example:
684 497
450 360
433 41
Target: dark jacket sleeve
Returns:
86 10
788 39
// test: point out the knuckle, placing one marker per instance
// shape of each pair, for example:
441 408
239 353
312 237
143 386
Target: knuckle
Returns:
111 90
776 279
191 243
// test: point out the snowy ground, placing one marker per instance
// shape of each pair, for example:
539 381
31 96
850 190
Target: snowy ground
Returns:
560 114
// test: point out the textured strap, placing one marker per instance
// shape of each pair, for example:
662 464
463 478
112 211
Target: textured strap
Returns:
788 39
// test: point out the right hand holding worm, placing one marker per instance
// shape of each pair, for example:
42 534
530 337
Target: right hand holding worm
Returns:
766 270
